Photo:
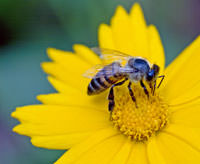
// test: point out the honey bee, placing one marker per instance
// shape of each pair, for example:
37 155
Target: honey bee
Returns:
122 67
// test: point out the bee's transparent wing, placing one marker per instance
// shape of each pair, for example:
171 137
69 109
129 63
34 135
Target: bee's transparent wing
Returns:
95 71
90 73
109 56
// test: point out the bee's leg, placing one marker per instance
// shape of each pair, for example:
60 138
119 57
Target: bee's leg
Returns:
132 94
111 100
163 76
154 88
145 89
111 96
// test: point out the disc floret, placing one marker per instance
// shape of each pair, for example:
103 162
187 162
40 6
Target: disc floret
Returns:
141 121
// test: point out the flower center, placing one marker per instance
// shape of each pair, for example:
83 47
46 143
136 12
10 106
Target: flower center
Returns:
143 121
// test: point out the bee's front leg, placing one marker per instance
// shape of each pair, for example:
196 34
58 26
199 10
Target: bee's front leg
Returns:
145 89
152 87
132 94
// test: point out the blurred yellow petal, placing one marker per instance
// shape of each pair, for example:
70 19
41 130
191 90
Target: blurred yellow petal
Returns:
187 99
122 32
122 155
174 150
63 74
156 48
105 37
62 142
179 62
187 116
106 136
154 154
187 134
103 152
41 120
86 54
138 154
71 100
182 74
139 36
69 60
63 87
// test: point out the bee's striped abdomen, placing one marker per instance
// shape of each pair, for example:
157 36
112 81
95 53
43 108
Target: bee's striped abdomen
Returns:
105 78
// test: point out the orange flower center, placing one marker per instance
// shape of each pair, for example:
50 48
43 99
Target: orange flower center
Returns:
141 122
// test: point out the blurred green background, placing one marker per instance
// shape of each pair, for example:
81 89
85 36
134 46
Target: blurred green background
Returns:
28 27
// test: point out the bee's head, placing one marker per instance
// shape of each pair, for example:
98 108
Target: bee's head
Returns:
153 72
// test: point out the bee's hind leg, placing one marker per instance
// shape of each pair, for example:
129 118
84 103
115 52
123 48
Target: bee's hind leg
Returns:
132 94
111 95
145 89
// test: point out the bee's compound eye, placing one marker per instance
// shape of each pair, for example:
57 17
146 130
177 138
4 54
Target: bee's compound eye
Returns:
150 75
156 68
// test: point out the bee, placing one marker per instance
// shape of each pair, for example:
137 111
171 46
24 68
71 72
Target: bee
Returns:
122 67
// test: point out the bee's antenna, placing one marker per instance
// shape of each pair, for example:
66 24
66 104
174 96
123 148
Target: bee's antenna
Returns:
162 76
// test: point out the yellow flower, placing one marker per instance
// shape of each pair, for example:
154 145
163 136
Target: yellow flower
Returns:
163 129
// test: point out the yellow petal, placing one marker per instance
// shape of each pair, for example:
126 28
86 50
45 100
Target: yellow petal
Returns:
63 87
175 150
53 120
103 152
182 74
187 116
122 155
186 100
61 142
67 90
106 135
69 60
156 49
122 32
138 154
105 37
61 73
57 127
154 154
86 54
187 134
71 99
138 33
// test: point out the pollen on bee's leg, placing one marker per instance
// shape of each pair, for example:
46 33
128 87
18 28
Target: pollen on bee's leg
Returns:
142 120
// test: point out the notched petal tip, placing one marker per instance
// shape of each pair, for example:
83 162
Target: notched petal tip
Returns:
22 129
81 49
16 129
13 114
44 65
105 37
136 8
77 46
49 67
40 97
102 28
86 54
120 12
58 55
137 14
51 51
